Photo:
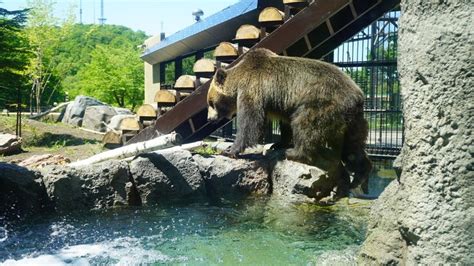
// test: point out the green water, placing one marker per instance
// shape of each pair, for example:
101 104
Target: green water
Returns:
253 232
258 231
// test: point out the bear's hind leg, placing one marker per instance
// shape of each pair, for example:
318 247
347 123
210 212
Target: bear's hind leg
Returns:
354 156
317 136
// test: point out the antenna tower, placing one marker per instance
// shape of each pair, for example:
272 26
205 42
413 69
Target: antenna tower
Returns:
102 19
80 11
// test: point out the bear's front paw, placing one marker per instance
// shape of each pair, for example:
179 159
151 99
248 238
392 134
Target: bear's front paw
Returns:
230 153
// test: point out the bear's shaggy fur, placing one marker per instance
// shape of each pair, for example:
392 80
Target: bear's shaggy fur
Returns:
322 105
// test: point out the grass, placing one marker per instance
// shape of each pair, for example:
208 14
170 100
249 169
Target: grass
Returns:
49 137
206 151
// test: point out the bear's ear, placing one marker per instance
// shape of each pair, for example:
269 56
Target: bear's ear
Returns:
221 75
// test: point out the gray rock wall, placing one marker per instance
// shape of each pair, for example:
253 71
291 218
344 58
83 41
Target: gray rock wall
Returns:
153 178
427 216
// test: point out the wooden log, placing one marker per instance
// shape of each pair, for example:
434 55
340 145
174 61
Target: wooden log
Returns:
226 51
146 110
247 32
271 15
129 123
204 66
112 138
185 82
162 142
165 98
38 116
189 146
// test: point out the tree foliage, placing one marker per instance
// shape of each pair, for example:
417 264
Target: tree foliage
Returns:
114 75
45 34
13 55
104 63
50 58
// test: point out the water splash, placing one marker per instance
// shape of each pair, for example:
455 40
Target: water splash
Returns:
3 234
258 231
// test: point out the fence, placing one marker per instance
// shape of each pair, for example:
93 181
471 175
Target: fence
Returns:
370 58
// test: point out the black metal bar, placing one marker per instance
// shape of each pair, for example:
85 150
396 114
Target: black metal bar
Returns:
178 67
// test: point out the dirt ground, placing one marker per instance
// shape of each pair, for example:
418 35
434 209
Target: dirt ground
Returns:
51 138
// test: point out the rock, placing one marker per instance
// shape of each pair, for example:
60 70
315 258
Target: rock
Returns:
75 111
95 117
9 144
116 120
123 111
229 178
304 183
21 192
427 216
169 177
91 187
40 161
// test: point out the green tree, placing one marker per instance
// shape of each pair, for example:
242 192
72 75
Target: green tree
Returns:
114 75
76 51
45 34
13 55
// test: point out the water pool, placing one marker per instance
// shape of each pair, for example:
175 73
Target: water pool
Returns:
258 231
252 232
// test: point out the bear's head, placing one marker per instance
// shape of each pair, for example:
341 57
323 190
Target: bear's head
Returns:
220 103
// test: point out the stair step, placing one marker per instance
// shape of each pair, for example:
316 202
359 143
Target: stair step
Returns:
226 52
204 68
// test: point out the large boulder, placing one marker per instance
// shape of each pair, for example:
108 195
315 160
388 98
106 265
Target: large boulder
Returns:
230 178
123 111
97 117
161 178
304 183
75 111
9 144
91 187
427 216
21 192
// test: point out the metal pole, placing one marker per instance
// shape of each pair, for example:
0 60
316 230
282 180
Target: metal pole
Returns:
80 11
18 114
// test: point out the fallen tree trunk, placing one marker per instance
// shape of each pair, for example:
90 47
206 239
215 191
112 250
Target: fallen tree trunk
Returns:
40 115
161 142
189 146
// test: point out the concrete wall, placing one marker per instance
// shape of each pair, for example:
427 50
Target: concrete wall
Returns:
152 74
426 217
152 82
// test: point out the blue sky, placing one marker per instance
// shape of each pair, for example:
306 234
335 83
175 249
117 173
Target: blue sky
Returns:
145 15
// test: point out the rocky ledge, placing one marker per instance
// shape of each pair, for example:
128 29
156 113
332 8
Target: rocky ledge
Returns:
153 178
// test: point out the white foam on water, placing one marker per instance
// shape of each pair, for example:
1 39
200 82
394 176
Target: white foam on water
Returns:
49 260
3 234
120 251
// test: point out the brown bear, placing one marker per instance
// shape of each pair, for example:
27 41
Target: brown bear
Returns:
321 104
